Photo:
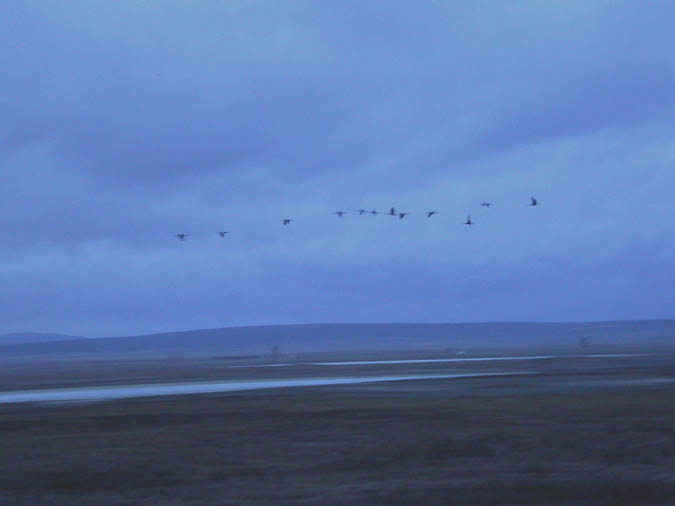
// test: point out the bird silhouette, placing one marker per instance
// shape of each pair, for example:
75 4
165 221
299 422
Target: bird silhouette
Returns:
392 212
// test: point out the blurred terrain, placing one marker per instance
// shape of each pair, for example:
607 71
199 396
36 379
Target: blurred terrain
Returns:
34 337
346 337
578 430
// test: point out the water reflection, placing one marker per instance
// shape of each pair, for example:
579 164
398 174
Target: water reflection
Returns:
129 391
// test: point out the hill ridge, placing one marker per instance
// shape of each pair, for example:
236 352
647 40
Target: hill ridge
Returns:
350 336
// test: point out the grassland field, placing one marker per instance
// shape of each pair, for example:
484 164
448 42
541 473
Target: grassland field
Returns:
577 431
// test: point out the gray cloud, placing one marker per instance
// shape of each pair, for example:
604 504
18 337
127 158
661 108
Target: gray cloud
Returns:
124 123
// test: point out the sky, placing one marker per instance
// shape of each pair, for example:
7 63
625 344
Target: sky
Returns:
124 123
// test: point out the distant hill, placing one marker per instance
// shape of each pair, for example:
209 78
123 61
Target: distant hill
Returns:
339 337
34 337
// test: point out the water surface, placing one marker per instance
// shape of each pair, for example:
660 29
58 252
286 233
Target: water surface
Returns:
150 390
437 360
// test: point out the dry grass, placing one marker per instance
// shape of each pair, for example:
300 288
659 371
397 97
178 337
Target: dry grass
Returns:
384 444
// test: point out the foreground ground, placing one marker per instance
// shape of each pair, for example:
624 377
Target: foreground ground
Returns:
565 435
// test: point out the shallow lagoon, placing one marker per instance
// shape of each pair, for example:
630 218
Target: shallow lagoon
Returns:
160 389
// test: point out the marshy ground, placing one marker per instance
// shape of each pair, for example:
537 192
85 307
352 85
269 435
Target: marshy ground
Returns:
577 431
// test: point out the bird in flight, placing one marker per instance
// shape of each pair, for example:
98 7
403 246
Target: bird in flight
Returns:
339 214
360 211
287 221
468 221
222 234
431 213
487 204
392 212
181 237
402 215
533 201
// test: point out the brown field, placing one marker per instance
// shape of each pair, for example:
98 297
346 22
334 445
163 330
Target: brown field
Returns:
577 432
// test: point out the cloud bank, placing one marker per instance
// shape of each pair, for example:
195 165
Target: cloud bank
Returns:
124 123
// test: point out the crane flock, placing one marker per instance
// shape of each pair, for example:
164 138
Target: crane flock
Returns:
392 212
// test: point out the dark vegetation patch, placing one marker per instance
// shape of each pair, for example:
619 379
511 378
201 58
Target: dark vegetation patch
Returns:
507 441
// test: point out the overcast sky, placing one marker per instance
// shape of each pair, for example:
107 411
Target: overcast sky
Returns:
123 123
